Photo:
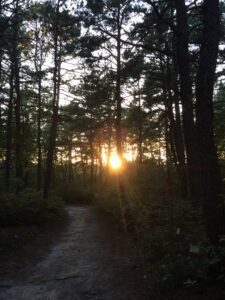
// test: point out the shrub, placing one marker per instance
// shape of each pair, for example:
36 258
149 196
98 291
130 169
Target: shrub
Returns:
73 193
28 208
165 228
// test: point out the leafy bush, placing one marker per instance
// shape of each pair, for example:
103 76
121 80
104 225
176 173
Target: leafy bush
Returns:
74 193
29 208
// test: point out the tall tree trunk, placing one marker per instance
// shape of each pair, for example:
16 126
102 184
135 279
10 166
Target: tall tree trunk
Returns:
176 129
109 144
212 199
184 69
25 124
0 87
169 183
38 61
172 134
179 142
83 166
39 133
140 127
9 132
92 150
109 134
119 148
70 164
100 158
16 61
118 86
170 123
56 90
1 54
170 126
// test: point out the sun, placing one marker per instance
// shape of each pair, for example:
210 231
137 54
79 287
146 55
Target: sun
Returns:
115 162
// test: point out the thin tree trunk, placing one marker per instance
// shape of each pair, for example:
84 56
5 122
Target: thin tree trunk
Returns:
100 159
189 129
0 87
140 127
16 61
169 183
92 151
170 126
179 142
9 133
122 198
38 69
56 90
25 123
118 86
176 131
39 134
171 121
82 167
109 129
1 54
70 164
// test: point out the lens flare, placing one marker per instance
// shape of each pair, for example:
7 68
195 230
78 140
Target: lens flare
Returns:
115 162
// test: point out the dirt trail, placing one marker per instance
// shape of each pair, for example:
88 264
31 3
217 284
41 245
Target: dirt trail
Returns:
89 260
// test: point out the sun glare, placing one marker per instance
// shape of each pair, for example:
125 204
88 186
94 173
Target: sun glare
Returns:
115 162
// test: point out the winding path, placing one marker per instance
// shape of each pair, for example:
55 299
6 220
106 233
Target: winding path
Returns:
89 260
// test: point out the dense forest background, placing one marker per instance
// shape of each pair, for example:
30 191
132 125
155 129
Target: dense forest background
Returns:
84 84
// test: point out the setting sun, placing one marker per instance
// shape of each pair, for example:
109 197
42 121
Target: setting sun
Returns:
115 162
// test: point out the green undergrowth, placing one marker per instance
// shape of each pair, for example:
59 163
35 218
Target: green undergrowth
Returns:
23 215
168 230
29 208
75 193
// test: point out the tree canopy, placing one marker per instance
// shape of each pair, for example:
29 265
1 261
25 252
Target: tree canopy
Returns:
141 81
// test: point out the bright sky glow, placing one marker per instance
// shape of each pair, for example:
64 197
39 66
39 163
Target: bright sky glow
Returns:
115 162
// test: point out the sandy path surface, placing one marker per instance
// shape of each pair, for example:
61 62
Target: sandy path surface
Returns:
88 260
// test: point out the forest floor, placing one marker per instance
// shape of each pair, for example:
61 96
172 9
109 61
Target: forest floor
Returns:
86 258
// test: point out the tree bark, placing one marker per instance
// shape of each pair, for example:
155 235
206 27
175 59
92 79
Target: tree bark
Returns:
186 95
140 126
118 86
56 91
0 86
176 129
212 199
9 133
70 164
39 134
38 61
16 63
92 150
